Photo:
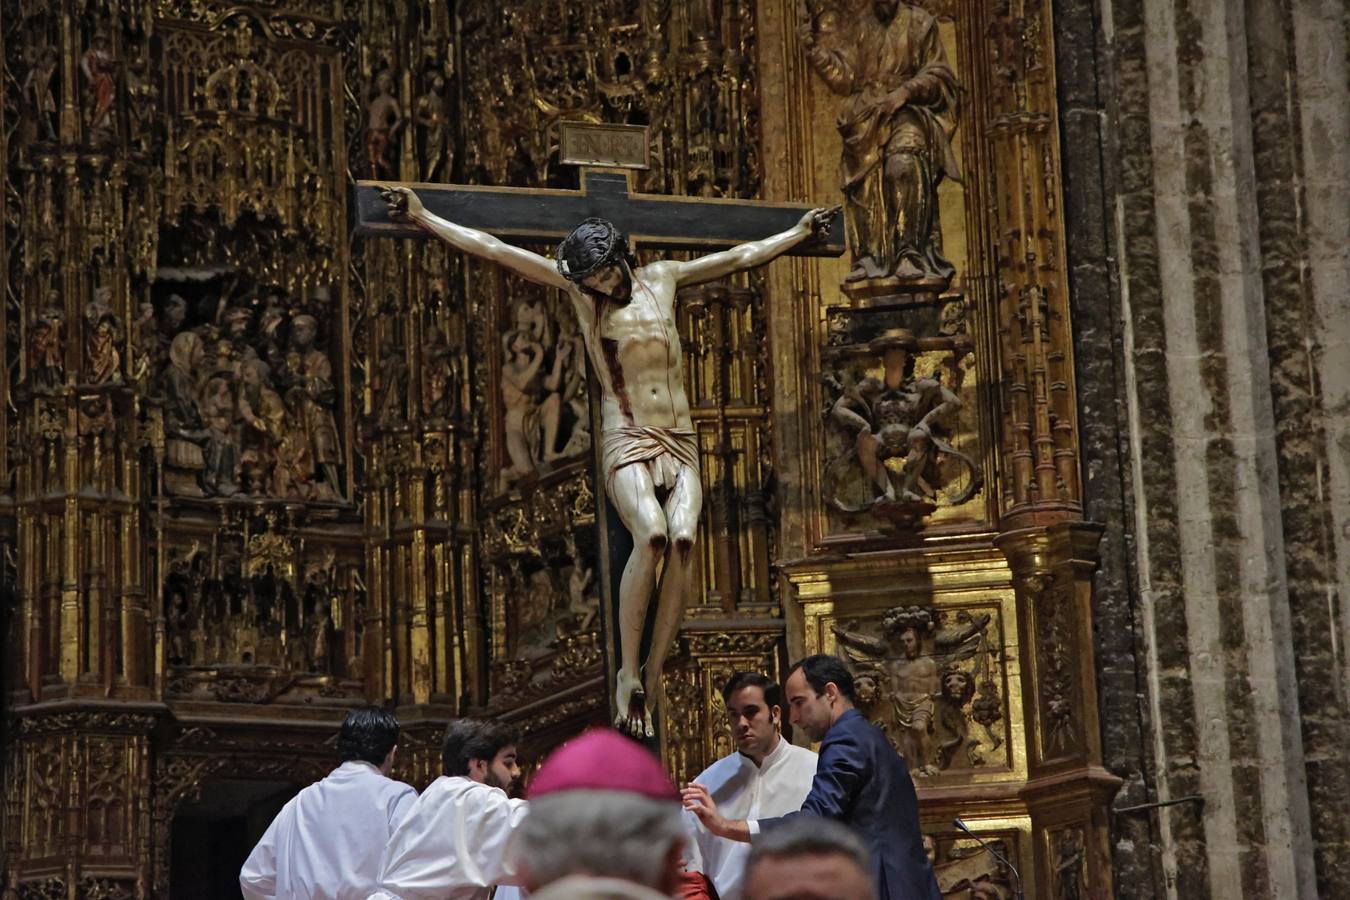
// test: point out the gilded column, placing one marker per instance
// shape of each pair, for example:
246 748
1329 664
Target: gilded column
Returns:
1051 551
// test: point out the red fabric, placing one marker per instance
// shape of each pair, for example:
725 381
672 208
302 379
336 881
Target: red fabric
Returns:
695 886
603 759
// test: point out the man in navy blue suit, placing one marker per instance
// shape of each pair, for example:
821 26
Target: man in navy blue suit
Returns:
860 781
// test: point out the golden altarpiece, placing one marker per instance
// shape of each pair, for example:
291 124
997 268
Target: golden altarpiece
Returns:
256 472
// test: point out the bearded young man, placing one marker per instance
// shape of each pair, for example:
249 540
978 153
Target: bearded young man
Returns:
766 776
860 781
452 844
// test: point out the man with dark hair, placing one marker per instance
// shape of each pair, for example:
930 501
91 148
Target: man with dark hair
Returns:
767 776
860 781
810 859
452 844
326 842
649 449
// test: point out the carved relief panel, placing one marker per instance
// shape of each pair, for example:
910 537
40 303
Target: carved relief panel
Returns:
258 610
937 663
934 681
903 355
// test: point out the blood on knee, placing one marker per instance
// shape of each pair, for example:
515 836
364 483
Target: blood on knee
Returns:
657 542
684 545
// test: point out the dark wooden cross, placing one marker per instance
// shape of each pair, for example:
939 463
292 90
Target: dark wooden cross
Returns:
608 155
544 216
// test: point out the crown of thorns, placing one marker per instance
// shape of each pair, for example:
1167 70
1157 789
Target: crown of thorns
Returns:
615 250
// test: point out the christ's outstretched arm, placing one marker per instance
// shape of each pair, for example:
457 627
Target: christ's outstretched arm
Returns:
752 253
404 205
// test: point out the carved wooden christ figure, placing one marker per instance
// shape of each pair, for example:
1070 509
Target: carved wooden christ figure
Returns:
648 444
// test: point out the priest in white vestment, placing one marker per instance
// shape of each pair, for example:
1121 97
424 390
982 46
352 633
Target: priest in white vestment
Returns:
452 844
325 844
766 777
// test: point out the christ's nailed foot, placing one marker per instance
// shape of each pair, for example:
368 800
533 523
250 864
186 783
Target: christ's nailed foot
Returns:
635 720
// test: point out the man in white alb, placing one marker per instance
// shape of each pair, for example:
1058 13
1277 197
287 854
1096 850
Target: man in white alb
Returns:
767 776
325 844
452 843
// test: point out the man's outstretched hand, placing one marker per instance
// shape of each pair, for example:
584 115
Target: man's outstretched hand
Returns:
698 801
404 205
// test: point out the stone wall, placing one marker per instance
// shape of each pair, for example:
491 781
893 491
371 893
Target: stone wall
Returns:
1207 189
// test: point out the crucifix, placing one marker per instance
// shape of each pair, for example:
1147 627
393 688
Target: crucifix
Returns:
646 448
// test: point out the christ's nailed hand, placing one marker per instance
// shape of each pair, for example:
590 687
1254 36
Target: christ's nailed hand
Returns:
404 205
819 220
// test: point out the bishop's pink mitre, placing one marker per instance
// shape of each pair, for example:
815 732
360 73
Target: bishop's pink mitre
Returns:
603 760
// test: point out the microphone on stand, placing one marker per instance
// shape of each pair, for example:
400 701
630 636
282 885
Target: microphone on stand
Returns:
1017 876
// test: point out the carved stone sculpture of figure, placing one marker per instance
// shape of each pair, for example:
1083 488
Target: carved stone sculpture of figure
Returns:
530 316
571 353
145 343
37 88
175 314
900 102
180 652
650 449
520 367
103 361
142 97
99 69
321 639
294 471
440 381
393 371
953 726
432 117
550 409
580 603
222 453
183 428
895 416
383 118
317 396
914 687
263 416
47 347
271 324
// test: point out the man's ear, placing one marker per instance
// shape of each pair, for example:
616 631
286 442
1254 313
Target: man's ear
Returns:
776 715
388 763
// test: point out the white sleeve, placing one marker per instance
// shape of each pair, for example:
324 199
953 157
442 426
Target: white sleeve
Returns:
258 877
398 809
501 818
752 825
693 853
